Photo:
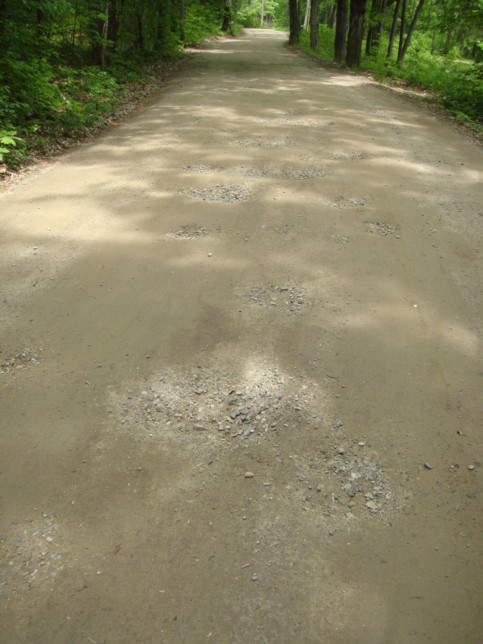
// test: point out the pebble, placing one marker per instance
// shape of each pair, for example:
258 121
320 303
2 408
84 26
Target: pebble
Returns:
254 577
200 428
340 450
249 475
471 467
371 505
428 466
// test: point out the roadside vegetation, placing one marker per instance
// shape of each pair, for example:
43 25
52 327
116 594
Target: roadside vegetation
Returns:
433 45
70 66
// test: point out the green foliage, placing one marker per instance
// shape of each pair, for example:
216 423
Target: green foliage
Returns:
8 146
202 21
456 84
326 43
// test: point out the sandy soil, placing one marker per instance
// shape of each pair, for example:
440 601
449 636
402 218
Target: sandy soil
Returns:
240 369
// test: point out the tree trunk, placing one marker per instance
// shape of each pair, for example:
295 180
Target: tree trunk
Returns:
225 27
331 18
376 36
314 25
412 27
402 27
99 33
307 14
356 32
294 22
114 22
340 44
376 8
3 22
392 36
262 13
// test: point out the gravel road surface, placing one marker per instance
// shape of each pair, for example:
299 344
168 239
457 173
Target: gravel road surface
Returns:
240 368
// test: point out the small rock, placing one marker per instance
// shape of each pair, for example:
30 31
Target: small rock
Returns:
200 428
340 450
254 577
249 475
428 466
471 467
371 505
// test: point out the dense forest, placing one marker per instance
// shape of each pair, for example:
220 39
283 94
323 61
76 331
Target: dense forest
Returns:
67 66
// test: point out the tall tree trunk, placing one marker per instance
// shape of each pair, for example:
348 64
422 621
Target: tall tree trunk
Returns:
375 11
412 27
294 22
392 36
226 16
99 32
262 13
114 22
314 25
402 27
340 43
376 36
307 14
3 22
356 32
331 18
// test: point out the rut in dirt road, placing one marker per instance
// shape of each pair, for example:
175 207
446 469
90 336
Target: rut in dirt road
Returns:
241 368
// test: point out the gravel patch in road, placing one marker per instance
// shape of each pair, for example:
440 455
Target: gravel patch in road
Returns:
209 405
33 554
288 297
289 174
347 156
346 202
257 142
218 193
380 229
308 459
189 231
25 358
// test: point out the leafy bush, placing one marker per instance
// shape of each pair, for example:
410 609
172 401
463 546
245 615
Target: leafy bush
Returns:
11 147
202 21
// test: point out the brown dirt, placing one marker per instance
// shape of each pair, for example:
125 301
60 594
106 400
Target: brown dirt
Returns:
234 330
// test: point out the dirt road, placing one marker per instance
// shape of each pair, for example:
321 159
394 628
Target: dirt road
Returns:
241 372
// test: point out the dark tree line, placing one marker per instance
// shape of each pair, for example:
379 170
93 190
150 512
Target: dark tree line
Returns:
355 20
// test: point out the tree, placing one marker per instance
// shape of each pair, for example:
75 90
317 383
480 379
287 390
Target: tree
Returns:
356 32
392 35
340 43
314 25
405 46
293 9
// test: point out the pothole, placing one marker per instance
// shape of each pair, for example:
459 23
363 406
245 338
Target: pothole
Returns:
287 297
304 456
208 405
34 553
189 231
290 174
25 358
218 193
340 239
200 169
345 478
257 142
381 229
353 202
346 156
